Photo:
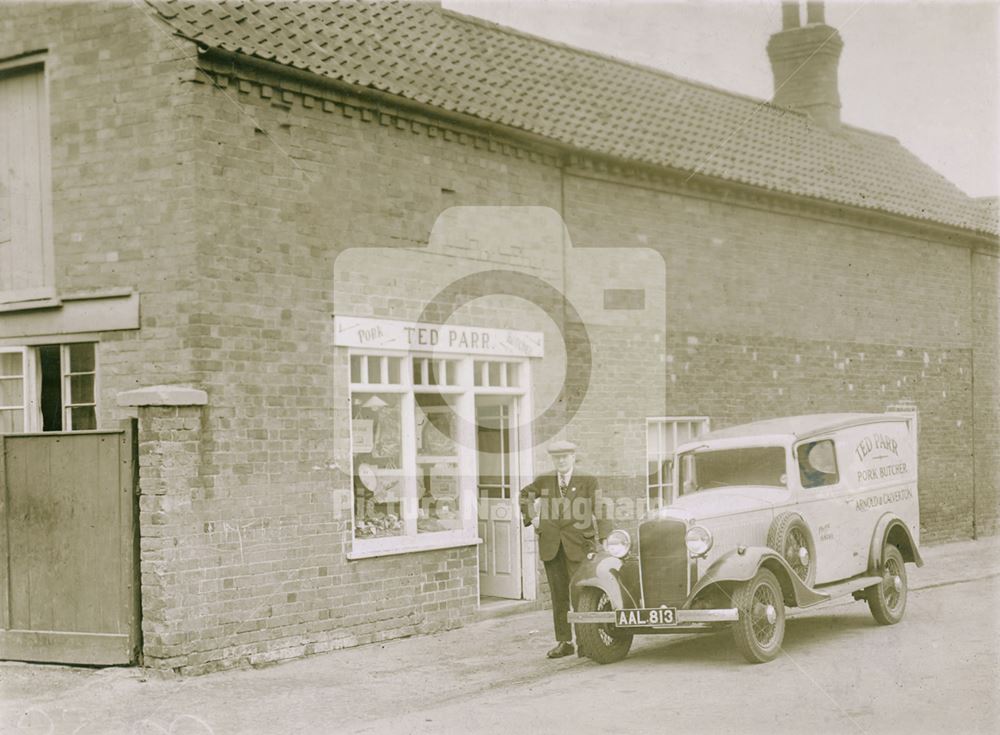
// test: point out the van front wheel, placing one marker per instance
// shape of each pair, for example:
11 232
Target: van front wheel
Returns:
602 642
761 626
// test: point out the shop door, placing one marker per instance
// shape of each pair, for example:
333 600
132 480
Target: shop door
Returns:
499 516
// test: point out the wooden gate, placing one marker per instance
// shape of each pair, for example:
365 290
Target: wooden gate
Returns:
69 588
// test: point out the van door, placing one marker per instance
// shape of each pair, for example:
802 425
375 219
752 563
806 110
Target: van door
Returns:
824 494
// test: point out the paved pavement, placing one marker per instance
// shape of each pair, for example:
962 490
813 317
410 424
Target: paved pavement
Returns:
357 689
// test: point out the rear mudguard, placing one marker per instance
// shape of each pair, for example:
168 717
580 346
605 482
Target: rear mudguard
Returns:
610 574
891 527
735 566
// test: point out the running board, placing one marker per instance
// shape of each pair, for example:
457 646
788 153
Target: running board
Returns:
840 589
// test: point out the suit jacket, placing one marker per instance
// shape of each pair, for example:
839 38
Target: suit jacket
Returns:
577 521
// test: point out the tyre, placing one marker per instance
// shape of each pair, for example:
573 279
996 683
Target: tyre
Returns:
761 626
887 601
790 537
602 642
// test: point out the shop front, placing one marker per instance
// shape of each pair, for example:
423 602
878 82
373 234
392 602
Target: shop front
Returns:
441 441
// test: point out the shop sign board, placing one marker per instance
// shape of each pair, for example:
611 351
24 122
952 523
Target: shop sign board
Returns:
390 334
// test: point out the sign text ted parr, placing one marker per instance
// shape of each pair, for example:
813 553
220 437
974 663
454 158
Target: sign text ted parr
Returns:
463 339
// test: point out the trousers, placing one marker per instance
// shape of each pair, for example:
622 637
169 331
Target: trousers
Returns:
559 571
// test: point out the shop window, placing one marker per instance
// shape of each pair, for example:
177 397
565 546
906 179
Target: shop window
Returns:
407 453
663 436
413 448
376 370
26 268
432 372
48 388
496 374
377 448
438 491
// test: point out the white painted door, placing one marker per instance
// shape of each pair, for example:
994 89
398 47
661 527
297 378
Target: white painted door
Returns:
499 516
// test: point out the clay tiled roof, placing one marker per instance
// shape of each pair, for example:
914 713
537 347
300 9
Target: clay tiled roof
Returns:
580 99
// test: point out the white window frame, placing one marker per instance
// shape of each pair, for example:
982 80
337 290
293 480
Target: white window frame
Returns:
44 291
466 391
67 388
32 385
28 407
664 428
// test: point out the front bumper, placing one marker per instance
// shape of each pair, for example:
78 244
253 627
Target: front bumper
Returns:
683 617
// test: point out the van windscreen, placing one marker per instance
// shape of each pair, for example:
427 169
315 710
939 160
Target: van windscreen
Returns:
727 467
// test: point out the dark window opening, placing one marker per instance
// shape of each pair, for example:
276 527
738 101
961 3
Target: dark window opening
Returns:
51 397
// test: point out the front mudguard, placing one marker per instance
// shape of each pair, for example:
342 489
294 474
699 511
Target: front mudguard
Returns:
742 565
610 574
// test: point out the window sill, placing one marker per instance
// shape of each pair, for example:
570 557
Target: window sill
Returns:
45 302
84 313
410 547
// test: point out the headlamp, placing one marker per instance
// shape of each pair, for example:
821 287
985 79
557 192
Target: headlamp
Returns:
618 543
698 540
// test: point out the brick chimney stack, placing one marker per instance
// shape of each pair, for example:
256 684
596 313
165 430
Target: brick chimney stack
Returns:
804 60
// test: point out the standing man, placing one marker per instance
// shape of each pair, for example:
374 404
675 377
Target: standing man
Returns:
563 506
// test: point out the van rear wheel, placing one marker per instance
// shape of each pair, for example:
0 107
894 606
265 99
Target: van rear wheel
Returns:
887 600
602 642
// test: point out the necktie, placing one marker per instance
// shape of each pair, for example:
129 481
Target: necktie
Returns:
562 486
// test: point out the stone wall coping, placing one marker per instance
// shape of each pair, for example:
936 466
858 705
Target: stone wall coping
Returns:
163 395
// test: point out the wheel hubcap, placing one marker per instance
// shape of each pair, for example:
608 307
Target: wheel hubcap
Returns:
797 553
892 584
763 616
604 630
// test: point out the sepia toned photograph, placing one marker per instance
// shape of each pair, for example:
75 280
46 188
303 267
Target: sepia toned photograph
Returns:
495 366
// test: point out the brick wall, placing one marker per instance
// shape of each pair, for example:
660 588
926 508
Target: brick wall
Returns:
770 314
289 196
122 174
986 393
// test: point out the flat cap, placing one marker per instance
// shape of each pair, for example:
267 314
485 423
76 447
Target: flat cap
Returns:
562 447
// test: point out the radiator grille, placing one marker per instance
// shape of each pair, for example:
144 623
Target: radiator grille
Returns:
663 562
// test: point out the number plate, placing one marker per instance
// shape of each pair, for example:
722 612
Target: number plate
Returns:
644 617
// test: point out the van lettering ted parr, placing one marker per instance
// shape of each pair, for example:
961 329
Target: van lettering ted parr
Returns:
876 441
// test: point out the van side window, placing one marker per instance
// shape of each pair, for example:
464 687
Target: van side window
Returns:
818 464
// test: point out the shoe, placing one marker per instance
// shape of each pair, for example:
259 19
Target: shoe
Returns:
562 648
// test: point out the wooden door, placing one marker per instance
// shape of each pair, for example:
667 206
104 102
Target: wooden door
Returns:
69 589
499 515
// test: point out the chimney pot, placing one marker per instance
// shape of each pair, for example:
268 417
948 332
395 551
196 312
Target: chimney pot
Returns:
790 15
815 12
804 61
